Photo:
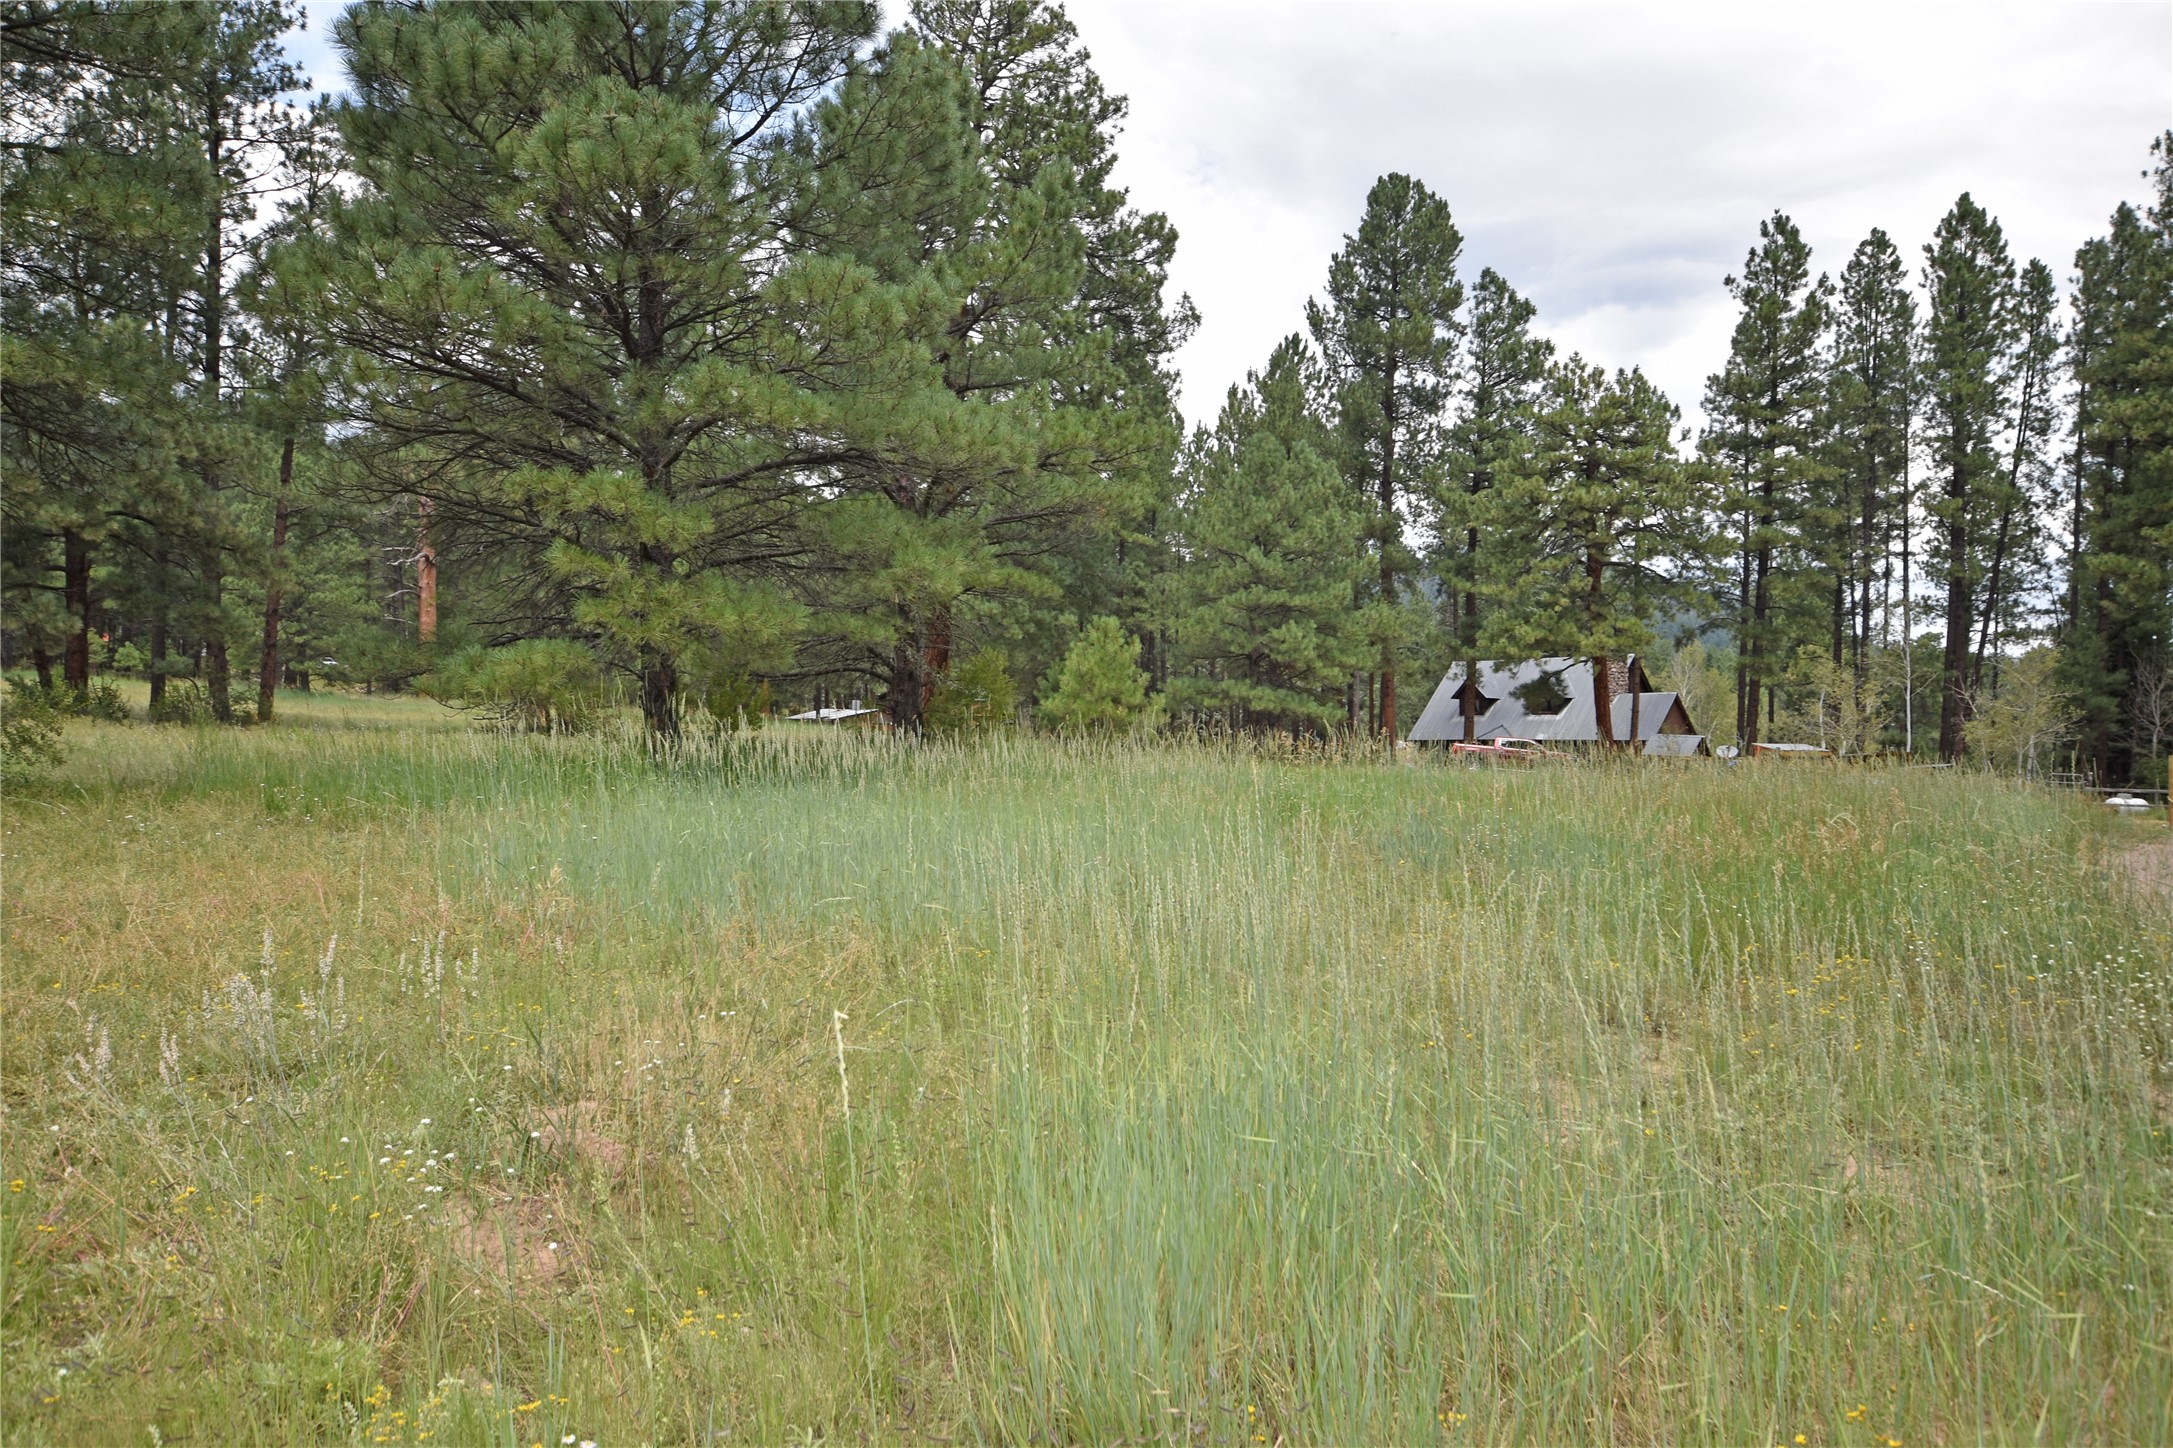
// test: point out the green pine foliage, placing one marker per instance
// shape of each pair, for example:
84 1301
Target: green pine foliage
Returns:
997 433
1971 328
2117 639
1270 541
1869 395
560 277
978 697
30 737
1766 410
544 686
1390 330
1605 530
744 344
1099 688
1505 373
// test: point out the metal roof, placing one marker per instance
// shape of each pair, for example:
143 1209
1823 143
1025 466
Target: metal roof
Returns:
829 716
1442 721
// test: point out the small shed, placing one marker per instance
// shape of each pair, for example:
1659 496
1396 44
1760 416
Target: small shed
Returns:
1553 700
834 716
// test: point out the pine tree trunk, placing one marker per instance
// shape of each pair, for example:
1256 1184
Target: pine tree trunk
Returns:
1603 700
426 575
1744 725
1992 584
1603 681
158 624
935 657
1761 610
76 591
1840 616
268 660
1468 630
660 695
1954 669
1385 720
43 663
218 673
910 689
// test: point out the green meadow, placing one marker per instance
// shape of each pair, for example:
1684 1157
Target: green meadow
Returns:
372 1079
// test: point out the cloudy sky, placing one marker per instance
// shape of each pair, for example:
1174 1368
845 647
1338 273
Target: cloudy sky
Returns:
1612 161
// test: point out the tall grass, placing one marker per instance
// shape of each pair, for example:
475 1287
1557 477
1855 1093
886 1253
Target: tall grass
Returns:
1196 1096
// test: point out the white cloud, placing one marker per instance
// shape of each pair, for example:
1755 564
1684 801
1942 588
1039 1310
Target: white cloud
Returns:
1614 161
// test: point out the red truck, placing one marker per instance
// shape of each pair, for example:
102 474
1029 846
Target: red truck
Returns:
1507 751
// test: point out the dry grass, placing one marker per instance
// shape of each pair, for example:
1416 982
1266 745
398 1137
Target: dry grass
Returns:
1196 1098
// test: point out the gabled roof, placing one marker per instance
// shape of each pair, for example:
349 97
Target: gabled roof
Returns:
1507 717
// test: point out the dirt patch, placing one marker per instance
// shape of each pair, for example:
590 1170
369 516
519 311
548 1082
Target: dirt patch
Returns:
573 1129
516 1239
2149 868
1664 1057
1902 1182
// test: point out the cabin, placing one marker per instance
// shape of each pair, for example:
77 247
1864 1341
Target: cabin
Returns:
1553 701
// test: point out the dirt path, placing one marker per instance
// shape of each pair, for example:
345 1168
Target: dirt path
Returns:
2148 867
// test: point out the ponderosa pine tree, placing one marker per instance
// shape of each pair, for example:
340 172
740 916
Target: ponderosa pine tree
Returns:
163 125
1035 98
1269 542
1765 408
1038 99
2016 568
230 88
2118 638
1504 377
1390 333
1008 438
83 379
1099 687
1966 365
287 374
1869 397
1606 528
563 273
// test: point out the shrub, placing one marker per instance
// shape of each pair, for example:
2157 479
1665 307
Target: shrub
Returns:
379 658
548 686
1099 688
977 697
29 734
184 702
103 701
735 699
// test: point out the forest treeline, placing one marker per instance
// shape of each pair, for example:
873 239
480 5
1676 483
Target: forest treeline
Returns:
738 352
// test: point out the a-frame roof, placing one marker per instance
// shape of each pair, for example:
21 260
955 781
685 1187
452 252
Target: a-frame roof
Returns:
1507 716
